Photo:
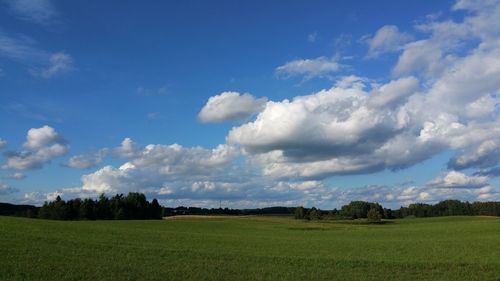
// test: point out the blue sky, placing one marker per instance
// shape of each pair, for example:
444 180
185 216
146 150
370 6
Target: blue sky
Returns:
255 103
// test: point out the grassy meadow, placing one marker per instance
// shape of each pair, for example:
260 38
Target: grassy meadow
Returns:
250 248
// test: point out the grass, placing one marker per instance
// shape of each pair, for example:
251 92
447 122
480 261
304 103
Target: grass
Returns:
250 248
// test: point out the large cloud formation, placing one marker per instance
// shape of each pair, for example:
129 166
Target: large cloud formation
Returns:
442 96
439 100
158 165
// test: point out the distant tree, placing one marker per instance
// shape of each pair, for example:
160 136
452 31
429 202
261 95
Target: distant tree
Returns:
359 209
388 214
299 213
44 212
120 214
314 214
155 211
103 208
374 215
87 209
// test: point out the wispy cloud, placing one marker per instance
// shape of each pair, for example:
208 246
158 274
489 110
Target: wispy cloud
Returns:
309 68
21 48
59 63
141 91
312 37
2 143
15 176
6 189
153 115
41 63
36 11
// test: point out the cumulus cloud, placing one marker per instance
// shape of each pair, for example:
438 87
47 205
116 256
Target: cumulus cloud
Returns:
486 154
456 179
443 97
37 11
333 131
309 68
393 93
41 146
2 143
387 39
37 198
86 161
127 149
231 106
349 130
156 165
436 54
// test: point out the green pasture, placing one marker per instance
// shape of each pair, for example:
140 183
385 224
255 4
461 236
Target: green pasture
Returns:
250 248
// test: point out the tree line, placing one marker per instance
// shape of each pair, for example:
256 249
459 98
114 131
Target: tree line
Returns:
133 206
375 212
181 210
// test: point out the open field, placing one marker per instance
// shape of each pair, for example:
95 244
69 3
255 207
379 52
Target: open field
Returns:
250 248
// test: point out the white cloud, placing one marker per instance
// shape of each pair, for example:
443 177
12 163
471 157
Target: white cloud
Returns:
444 98
86 161
155 165
59 63
41 146
2 143
41 63
387 39
20 48
347 129
351 81
127 149
393 93
231 106
456 179
15 176
333 131
163 90
486 154
38 198
37 11
433 55
6 189
153 115
309 68
312 37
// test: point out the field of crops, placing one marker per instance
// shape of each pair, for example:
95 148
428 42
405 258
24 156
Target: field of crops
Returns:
250 248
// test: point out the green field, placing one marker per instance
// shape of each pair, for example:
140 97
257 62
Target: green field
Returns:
250 248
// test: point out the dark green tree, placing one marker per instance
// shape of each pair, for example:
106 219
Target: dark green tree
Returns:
314 214
374 215
299 213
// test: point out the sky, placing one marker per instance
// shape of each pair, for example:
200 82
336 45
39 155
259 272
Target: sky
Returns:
250 103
